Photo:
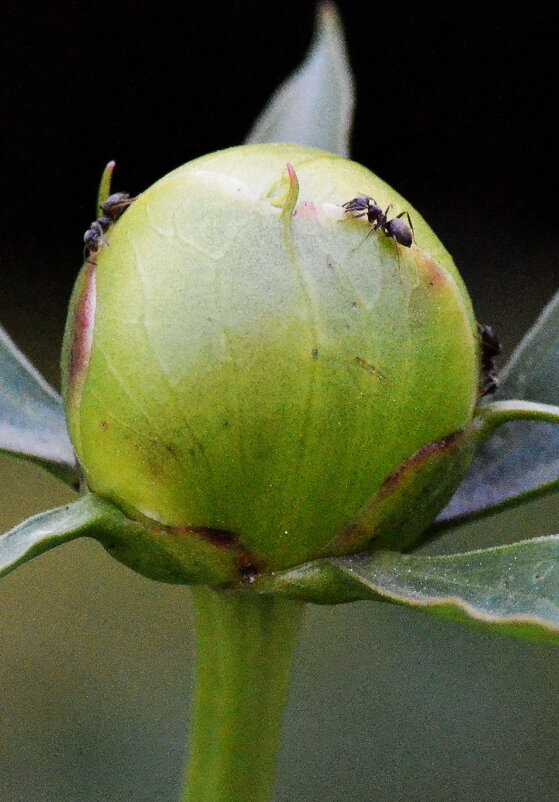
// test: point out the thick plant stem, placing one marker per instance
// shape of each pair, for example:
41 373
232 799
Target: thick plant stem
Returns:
244 649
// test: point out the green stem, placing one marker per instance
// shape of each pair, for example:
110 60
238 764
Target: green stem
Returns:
245 645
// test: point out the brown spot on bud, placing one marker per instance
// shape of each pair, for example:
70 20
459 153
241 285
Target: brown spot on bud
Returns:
426 453
247 564
433 275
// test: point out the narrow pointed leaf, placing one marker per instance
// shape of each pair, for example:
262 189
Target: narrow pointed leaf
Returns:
521 460
512 590
315 104
32 423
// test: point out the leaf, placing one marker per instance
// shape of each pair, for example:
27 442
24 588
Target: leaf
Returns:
521 460
512 590
87 516
32 423
315 104
180 556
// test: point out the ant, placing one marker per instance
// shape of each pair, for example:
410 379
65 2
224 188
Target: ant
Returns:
115 205
490 348
112 209
396 229
94 235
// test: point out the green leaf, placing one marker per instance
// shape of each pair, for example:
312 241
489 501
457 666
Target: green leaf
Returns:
512 590
86 517
179 556
521 460
32 422
315 104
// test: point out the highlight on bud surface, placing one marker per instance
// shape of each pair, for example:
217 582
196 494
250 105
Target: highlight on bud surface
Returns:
242 364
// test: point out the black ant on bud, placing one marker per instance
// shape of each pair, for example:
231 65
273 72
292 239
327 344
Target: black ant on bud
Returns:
490 348
93 237
396 229
112 209
115 204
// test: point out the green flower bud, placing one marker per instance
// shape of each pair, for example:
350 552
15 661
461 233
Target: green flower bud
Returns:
242 364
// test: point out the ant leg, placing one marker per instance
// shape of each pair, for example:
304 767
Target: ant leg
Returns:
369 232
351 216
398 260
392 239
102 231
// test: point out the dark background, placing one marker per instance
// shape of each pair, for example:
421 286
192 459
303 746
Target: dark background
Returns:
456 109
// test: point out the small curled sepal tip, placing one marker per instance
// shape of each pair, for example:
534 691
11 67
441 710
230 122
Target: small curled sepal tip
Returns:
290 201
105 186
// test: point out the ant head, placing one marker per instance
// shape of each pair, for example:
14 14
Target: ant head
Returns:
91 237
359 204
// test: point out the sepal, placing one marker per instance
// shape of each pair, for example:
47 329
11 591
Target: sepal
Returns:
511 590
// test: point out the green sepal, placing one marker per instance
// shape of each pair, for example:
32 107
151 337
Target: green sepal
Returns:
182 557
511 590
104 186
402 509
522 461
400 515
501 477
314 106
45 531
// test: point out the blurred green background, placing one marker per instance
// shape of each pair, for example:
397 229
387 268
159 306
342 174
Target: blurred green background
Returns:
457 110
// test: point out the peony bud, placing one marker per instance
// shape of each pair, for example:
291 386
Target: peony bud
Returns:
242 362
